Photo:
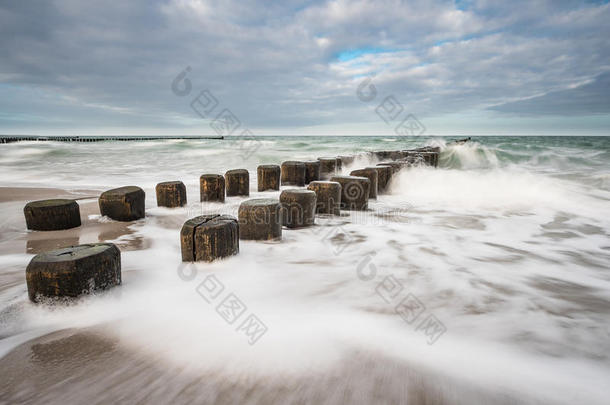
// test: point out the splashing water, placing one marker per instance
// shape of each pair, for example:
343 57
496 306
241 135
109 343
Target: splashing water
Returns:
505 244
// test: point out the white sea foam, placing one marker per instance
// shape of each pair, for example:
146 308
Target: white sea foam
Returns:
511 258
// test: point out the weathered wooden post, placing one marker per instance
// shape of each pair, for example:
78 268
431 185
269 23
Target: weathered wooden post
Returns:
437 153
298 207
72 271
209 237
396 166
371 174
123 203
51 215
431 157
415 158
328 196
354 192
268 177
396 155
211 188
260 219
384 174
312 171
426 156
171 194
347 159
293 173
328 167
237 182
382 154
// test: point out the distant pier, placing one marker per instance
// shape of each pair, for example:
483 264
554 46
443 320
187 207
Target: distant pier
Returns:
18 138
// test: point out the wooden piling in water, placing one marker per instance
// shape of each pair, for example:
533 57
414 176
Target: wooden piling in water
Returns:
268 177
312 171
123 203
293 173
52 215
209 237
328 196
372 175
73 271
298 208
211 188
260 219
237 182
354 192
328 167
384 175
171 194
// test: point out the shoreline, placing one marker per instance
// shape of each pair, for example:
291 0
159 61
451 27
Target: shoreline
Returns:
68 366
16 239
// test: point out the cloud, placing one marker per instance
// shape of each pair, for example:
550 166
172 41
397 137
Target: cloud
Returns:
587 99
71 65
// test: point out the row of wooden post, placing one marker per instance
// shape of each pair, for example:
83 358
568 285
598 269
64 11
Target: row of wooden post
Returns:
75 270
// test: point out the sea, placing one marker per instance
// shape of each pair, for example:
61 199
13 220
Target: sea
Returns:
483 280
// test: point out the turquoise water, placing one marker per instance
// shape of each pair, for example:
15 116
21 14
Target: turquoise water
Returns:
71 162
506 243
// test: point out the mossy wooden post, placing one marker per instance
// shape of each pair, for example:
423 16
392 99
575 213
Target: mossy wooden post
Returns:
260 219
328 196
123 203
328 167
171 194
354 192
209 237
293 173
268 177
371 174
237 182
52 215
384 174
211 188
312 171
298 207
72 271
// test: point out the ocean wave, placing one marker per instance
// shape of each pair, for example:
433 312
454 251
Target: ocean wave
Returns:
469 155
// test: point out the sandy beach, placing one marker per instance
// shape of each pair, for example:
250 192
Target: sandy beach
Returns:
93 365
88 366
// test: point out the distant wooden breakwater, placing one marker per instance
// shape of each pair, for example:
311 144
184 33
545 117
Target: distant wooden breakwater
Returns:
319 188
19 138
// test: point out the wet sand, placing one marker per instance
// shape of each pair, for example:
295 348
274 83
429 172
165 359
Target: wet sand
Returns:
91 366
14 237
88 366
95 365
8 194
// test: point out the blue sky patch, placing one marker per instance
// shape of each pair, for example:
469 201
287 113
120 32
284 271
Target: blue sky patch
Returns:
346 56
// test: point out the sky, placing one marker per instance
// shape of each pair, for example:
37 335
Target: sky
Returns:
366 67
